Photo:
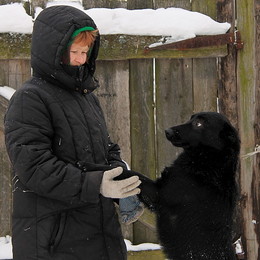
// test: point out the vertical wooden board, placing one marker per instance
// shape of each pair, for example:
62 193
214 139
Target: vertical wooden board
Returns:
226 12
142 133
40 3
247 73
205 70
207 7
5 178
174 103
142 116
205 83
114 98
5 188
143 234
147 254
256 173
4 2
4 72
19 72
185 4
139 4
104 4
227 89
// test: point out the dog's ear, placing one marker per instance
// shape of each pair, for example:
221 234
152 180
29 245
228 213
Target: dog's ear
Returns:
230 136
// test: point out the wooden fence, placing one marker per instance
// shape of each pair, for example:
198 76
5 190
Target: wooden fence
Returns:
144 94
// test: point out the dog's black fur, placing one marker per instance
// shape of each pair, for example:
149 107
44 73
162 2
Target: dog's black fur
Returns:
194 198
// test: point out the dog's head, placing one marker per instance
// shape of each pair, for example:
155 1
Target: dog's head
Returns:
204 130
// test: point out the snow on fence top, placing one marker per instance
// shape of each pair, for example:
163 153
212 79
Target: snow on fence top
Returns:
177 23
6 92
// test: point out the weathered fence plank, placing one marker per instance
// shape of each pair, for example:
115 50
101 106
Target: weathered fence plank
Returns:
174 103
4 69
5 178
205 81
256 170
207 7
113 47
142 131
87 4
205 84
142 116
185 4
15 46
19 72
227 91
247 79
14 73
4 2
113 94
139 4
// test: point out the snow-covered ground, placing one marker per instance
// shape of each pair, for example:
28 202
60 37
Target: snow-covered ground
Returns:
6 247
177 23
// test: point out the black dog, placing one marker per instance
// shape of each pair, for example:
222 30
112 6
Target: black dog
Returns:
195 197
197 194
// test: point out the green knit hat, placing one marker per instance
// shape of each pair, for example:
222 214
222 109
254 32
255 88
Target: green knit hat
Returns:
78 31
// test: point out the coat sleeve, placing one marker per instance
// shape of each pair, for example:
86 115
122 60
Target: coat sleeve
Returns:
114 157
28 135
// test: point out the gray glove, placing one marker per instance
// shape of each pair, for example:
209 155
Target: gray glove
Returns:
119 189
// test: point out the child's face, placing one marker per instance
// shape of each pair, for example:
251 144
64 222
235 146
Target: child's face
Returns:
78 54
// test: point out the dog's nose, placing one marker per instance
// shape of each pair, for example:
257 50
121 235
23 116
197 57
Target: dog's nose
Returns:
168 133
172 133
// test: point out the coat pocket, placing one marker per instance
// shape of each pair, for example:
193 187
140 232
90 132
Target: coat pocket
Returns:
58 231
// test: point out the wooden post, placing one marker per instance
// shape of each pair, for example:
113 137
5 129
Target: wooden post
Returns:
227 89
207 7
227 67
143 136
5 178
205 81
5 2
113 94
139 4
174 104
185 4
256 170
248 90
87 4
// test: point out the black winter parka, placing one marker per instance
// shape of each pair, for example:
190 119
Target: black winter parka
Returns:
54 124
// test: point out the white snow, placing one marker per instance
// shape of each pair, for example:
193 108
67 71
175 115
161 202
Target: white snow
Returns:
6 92
6 247
141 247
13 18
178 23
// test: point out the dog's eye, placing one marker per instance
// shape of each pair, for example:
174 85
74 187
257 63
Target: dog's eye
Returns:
198 123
